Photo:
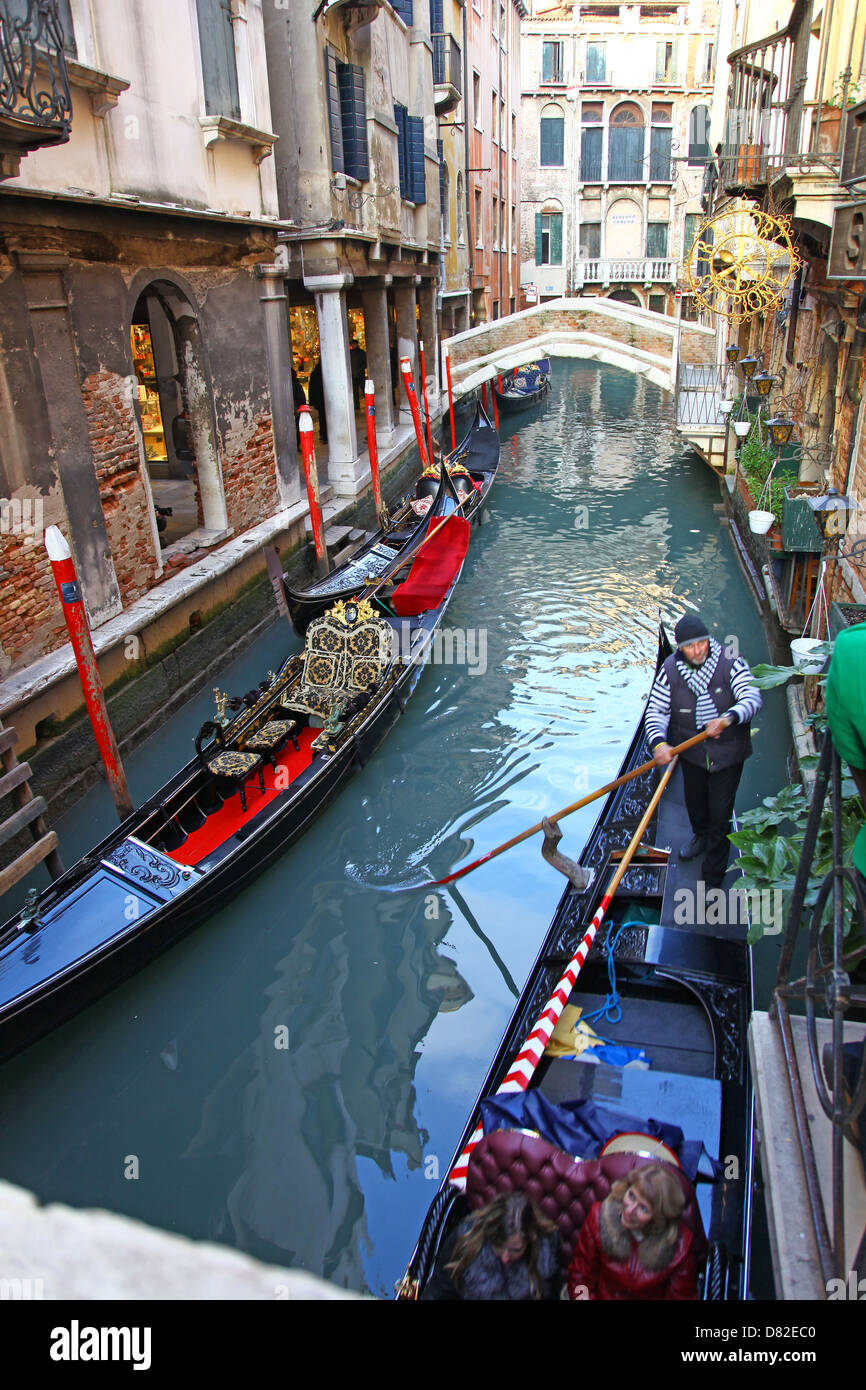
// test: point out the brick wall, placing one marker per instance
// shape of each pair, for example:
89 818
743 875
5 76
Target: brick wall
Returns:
249 474
31 619
112 431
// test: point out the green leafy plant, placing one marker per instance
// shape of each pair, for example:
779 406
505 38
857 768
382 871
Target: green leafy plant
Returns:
768 677
770 841
756 464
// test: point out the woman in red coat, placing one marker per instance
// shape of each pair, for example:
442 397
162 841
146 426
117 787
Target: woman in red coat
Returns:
634 1245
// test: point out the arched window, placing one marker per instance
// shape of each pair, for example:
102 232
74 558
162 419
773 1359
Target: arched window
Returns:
548 234
699 135
552 137
625 150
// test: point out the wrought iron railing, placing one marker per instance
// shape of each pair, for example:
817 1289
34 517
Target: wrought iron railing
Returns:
35 102
826 986
770 121
647 270
446 62
700 391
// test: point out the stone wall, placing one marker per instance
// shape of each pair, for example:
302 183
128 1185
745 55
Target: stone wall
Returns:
113 441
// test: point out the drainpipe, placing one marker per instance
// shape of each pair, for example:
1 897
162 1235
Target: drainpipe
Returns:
466 163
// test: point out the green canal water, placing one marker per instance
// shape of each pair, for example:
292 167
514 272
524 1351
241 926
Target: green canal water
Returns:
323 1154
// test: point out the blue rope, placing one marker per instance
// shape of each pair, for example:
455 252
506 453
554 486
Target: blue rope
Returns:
611 1009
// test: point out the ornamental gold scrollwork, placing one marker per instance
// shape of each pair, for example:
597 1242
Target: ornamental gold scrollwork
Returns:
741 262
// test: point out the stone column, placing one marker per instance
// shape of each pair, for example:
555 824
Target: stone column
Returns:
202 423
430 337
407 340
375 304
275 306
344 469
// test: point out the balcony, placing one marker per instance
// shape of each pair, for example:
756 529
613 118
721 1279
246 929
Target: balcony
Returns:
650 270
447 73
35 104
771 124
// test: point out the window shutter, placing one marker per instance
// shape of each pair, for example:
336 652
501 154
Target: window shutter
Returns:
417 171
556 238
660 154
219 70
335 120
552 141
657 239
590 154
404 9
538 246
440 150
437 22
353 111
400 114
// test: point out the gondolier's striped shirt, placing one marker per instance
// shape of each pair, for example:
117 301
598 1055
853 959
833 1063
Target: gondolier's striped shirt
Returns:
658 710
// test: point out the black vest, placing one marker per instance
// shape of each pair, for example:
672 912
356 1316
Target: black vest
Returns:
733 746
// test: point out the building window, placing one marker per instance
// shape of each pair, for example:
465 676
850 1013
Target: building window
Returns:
709 72
479 232
347 117
444 189
596 62
548 238
551 61
461 210
513 227
660 143
656 303
410 155
552 137
666 61
590 240
625 163
699 135
690 230
494 103
219 69
404 9
495 224
476 99
657 239
590 154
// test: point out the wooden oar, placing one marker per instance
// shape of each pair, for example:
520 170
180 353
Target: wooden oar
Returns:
558 815
523 1066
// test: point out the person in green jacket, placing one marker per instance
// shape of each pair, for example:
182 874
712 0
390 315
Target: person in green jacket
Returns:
846 715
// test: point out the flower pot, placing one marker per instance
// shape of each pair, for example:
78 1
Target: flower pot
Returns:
802 649
760 522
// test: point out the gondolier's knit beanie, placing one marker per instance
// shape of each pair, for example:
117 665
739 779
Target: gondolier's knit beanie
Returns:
691 628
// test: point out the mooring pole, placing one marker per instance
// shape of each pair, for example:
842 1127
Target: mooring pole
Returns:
406 373
426 409
450 399
372 446
311 476
71 598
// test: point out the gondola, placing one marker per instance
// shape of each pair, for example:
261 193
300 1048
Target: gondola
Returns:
686 996
478 452
254 785
528 386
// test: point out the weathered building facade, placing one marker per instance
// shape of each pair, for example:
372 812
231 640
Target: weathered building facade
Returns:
142 409
615 119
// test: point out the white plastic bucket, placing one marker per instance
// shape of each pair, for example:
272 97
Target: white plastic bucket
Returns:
801 653
760 522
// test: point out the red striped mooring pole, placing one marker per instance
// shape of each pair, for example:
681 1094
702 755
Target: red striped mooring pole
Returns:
406 373
372 446
311 477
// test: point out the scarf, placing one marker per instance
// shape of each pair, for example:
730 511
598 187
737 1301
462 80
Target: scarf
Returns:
698 679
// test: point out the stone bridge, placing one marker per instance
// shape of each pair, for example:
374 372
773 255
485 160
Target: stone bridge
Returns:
602 329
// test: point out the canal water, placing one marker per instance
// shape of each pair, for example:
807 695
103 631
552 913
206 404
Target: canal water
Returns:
292 1078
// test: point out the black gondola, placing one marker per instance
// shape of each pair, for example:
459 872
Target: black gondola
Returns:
686 995
528 386
478 453
255 784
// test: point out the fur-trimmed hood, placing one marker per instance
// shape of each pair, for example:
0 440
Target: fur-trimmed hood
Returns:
655 1252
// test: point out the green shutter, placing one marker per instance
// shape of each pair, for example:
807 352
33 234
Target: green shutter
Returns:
556 238
335 119
538 238
353 114
417 167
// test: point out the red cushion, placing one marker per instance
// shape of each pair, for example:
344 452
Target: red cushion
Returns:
508 1161
433 569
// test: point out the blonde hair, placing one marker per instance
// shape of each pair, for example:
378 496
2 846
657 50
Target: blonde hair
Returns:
662 1192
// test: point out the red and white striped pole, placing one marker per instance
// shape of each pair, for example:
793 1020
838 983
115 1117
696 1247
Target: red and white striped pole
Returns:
521 1070
450 399
406 373
426 409
91 682
311 477
372 446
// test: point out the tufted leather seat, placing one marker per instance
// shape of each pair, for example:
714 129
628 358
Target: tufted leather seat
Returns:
508 1161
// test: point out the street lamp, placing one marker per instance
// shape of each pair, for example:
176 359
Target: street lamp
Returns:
831 512
763 382
780 429
749 366
732 352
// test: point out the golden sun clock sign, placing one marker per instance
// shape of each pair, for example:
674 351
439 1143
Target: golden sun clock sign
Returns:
741 262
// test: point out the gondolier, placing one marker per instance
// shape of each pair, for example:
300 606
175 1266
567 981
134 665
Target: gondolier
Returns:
700 687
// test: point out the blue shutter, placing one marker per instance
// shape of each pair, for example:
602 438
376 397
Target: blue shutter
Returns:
404 9
552 142
625 161
437 21
353 111
539 249
335 115
417 168
400 115
219 70
660 154
590 154
440 150
556 238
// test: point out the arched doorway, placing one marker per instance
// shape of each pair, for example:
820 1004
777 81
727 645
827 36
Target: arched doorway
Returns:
175 415
625 297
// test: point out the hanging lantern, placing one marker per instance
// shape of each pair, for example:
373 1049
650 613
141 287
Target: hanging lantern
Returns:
763 383
750 365
831 512
732 352
781 430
